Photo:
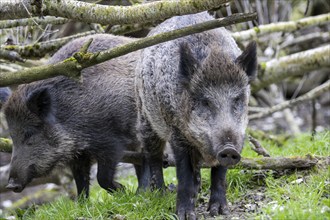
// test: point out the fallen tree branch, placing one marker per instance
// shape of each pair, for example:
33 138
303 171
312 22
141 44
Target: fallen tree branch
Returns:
102 14
71 67
272 163
269 163
34 21
290 103
288 26
276 70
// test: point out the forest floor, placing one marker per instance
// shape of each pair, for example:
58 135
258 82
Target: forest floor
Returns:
251 194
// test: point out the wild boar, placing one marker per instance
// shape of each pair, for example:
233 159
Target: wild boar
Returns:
193 92
61 121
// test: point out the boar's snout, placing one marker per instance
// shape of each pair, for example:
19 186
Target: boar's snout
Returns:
14 186
228 156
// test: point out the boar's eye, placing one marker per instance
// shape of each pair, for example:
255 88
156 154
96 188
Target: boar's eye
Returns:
239 99
238 103
205 103
29 133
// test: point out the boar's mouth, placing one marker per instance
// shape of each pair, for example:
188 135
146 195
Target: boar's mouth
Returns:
17 185
228 156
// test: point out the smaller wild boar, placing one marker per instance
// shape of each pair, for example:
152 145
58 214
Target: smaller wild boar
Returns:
193 92
61 121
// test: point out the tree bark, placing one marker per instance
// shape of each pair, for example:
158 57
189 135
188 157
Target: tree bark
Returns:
276 70
39 50
101 14
72 67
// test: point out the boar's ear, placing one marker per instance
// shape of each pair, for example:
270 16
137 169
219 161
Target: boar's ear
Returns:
39 102
188 64
248 60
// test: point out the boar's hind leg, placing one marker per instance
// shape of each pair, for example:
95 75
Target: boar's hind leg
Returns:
154 146
188 182
218 202
80 168
105 175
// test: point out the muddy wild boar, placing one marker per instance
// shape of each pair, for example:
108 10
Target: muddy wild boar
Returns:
60 121
193 92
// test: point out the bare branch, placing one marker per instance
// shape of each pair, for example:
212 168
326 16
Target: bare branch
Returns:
32 22
289 104
257 147
39 50
288 26
72 67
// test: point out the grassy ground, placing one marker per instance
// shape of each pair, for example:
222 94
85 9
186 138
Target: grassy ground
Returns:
251 194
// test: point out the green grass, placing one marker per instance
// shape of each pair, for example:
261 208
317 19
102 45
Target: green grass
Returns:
285 197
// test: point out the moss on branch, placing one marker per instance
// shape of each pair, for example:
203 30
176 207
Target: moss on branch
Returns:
102 14
73 67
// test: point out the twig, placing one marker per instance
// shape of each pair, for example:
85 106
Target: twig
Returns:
71 66
257 147
38 50
323 37
288 26
289 104
32 22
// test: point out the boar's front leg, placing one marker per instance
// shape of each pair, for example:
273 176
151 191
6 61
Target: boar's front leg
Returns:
106 169
80 168
187 181
218 201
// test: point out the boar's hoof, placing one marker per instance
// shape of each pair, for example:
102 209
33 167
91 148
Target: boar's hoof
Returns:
216 209
228 156
16 187
186 214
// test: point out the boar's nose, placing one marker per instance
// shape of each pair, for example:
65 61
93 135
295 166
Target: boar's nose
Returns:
228 156
14 186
